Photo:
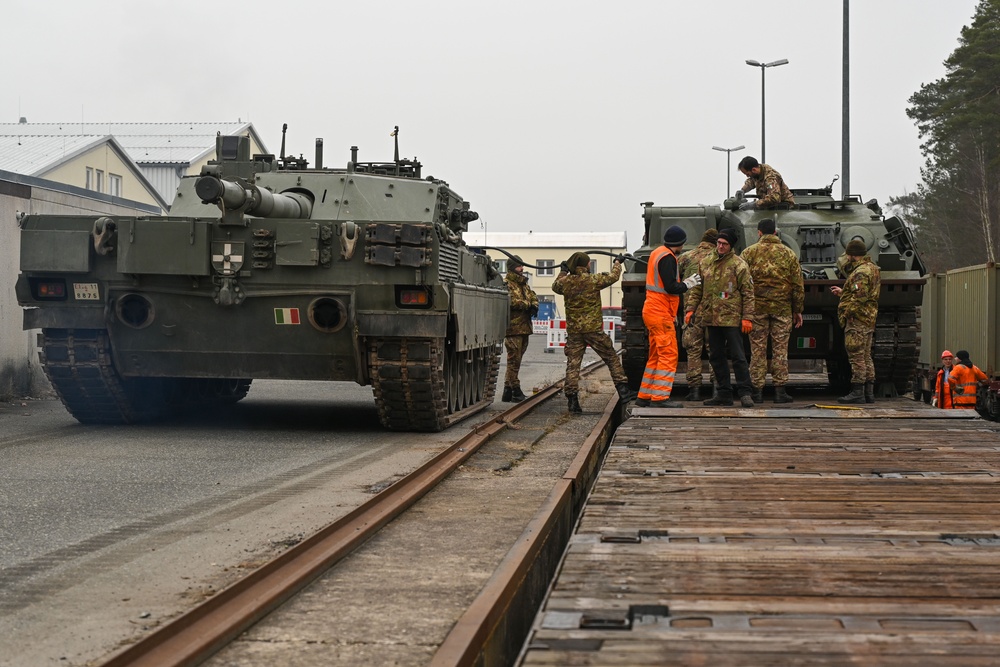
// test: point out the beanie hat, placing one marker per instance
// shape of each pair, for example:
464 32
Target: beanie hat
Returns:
675 236
962 355
856 248
578 259
729 235
947 353
710 235
514 262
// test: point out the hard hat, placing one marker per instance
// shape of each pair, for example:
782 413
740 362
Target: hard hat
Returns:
947 353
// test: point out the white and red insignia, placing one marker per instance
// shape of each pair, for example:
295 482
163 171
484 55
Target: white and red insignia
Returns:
227 257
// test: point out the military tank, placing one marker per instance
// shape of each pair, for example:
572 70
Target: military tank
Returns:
817 228
267 268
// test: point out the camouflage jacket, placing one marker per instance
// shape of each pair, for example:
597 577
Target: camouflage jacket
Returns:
777 277
859 300
522 301
725 294
770 187
688 262
582 294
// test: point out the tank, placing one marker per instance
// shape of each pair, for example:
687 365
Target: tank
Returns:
267 268
817 228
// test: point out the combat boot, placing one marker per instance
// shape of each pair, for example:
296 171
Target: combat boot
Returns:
870 392
516 395
857 395
781 395
757 395
666 404
506 395
694 393
746 401
642 403
574 403
625 393
723 397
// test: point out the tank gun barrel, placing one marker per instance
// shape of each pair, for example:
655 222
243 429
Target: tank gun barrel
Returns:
232 196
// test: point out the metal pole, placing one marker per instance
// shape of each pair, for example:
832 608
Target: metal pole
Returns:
845 131
762 153
728 167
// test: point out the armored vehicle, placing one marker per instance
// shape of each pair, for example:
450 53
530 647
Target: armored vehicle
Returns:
266 268
817 227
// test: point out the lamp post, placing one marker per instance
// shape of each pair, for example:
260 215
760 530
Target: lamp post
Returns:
727 151
764 66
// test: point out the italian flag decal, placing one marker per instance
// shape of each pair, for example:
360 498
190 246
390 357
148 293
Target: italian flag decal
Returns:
806 343
286 315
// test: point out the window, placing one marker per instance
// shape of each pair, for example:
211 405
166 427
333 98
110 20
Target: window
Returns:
90 178
593 266
501 265
114 185
100 181
545 267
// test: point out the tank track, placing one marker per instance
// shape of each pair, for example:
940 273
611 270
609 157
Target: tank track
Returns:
895 347
420 386
636 343
79 366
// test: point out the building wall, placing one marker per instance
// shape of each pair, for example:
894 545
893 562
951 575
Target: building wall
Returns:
104 158
542 284
20 372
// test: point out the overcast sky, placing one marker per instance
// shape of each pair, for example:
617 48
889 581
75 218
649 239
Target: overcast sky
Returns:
551 116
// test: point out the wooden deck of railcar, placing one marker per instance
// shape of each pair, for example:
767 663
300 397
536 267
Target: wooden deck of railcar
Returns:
785 537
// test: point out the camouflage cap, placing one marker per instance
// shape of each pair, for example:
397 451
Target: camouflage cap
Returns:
856 248
578 259
711 235
514 262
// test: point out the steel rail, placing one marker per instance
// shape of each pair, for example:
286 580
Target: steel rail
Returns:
200 632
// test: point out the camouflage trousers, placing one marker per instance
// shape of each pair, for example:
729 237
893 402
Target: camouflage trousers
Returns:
695 342
516 346
600 342
777 329
858 341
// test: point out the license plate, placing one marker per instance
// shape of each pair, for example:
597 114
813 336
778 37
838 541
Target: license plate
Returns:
86 292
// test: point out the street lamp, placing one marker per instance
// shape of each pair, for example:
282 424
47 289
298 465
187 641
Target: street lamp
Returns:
764 66
727 151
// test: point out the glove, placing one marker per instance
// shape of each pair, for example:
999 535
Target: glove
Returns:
534 312
564 267
747 206
738 194
687 316
934 402
693 280
620 258
746 326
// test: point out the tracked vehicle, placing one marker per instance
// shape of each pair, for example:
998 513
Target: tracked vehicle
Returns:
266 268
817 228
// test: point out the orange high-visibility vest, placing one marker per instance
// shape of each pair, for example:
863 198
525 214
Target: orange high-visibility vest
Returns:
658 302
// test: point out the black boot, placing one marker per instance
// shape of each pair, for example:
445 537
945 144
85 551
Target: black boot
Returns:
641 403
746 401
574 403
870 391
723 397
506 395
694 393
757 395
666 404
517 395
781 395
624 392
857 395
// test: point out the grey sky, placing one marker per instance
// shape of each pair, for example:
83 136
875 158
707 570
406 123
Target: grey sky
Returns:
548 116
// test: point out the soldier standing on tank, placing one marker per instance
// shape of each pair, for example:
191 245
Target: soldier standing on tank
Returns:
857 313
659 313
778 300
726 296
693 338
523 307
585 323
767 182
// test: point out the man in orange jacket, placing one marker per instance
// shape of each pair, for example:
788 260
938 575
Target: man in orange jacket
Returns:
942 388
964 379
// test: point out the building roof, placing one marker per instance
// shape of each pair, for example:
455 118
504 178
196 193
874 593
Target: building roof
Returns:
508 240
145 143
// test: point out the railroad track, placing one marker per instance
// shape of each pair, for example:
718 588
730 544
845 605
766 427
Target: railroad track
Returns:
201 632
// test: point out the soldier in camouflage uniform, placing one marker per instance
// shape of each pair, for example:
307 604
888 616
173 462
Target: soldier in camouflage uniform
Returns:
727 293
768 184
585 323
693 338
857 312
778 300
523 306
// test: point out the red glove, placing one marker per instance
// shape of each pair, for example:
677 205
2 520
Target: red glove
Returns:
687 316
746 326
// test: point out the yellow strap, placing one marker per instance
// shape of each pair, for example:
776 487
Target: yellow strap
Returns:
835 407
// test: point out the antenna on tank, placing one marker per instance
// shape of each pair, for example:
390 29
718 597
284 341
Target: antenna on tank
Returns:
395 136
284 128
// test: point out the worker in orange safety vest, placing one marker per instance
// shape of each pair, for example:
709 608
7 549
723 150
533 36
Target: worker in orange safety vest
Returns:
963 381
942 388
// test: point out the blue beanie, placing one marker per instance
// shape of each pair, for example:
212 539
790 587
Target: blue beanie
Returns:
675 236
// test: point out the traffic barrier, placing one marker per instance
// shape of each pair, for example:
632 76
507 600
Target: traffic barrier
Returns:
555 337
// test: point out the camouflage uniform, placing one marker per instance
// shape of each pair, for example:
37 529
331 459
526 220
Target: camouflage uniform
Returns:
693 338
585 322
778 295
523 301
770 187
857 312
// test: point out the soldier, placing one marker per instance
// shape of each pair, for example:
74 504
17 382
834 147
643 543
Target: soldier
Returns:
964 380
727 293
767 182
693 338
778 299
585 324
659 312
523 307
857 313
